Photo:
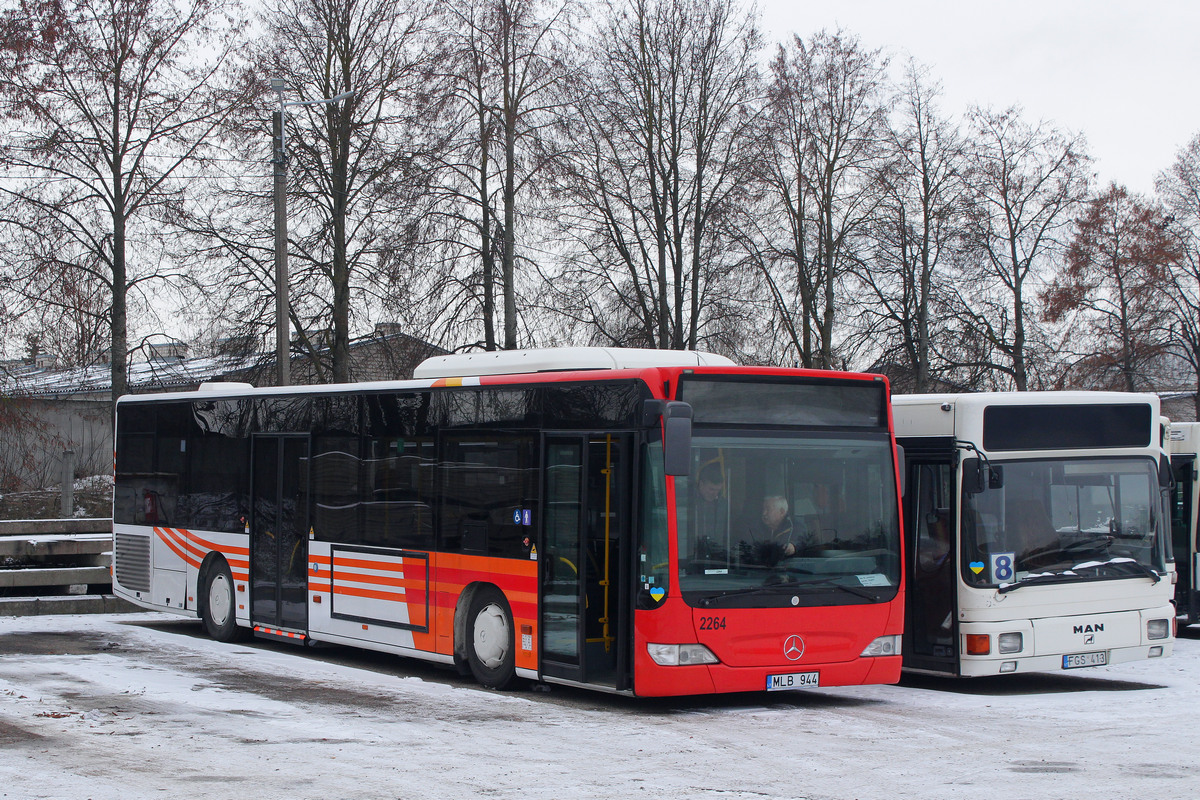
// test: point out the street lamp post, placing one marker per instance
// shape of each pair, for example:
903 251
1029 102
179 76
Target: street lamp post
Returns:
279 137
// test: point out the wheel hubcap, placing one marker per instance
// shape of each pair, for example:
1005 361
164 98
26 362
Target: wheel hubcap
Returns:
491 636
219 597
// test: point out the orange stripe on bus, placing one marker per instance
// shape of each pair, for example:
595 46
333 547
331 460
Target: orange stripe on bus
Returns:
379 580
185 538
175 547
353 591
225 549
390 566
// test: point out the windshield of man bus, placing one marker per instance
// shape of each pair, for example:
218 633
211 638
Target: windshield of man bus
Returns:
1070 518
788 519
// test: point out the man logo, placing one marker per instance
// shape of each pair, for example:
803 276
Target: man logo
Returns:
793 648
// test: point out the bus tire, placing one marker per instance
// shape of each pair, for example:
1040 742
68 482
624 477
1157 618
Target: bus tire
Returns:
490 643
217 610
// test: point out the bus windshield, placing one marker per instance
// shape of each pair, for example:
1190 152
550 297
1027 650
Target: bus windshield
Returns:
787 520
1067 518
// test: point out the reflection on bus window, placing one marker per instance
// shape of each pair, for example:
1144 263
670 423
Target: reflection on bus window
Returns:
792 512
1052 515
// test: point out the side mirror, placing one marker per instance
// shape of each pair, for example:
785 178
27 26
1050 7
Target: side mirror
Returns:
676 417
902 466
1166 477
677 438
978 475
974 476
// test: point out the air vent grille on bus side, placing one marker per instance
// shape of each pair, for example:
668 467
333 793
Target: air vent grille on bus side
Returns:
133 562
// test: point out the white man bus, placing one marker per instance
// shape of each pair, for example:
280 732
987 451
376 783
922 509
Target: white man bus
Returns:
1037 536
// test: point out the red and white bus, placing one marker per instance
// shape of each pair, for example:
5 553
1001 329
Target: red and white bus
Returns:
549 515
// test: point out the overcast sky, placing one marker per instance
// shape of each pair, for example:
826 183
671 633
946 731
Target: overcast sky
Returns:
1123 73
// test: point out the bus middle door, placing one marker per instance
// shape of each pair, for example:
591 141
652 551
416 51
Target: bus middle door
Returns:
279 532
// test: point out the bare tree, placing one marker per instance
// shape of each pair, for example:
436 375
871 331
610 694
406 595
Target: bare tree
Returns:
918 222
506 62
109 105
1025 183
827 124
1112 290
1179 190
660 136
358 168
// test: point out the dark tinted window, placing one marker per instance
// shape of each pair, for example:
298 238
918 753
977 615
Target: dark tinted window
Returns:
284 415
785 401
488 482
218 478
335 470
134 462
399 466
1066 426
593 406
398 415
183 465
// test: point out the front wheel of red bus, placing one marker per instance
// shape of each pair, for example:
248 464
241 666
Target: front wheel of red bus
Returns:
490 641
218 609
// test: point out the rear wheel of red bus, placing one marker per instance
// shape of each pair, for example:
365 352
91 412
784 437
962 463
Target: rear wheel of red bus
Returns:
217 610
490 642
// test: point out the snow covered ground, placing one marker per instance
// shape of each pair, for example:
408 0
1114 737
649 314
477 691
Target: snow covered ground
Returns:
143 706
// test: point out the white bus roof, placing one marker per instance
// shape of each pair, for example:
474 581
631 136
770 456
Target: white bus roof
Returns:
558 359
1022 398
948 414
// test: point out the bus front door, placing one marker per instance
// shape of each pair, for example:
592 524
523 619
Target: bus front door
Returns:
278 532
930 625
1184 537
584 579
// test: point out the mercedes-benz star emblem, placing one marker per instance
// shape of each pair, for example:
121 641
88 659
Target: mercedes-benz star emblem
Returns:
793 648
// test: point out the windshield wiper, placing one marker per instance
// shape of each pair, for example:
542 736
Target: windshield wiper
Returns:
1072 574
789 586
835 585
763 587
1137 566
1033 580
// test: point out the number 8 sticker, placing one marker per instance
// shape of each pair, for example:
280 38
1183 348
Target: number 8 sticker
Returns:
1003 570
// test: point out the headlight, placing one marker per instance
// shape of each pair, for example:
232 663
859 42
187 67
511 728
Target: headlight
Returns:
883 646
1009 642
1157 629
681 655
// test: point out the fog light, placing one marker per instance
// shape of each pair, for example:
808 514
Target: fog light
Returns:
1009 666
1009 643
978 644
680 655
883 646
1157 629
1156 651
